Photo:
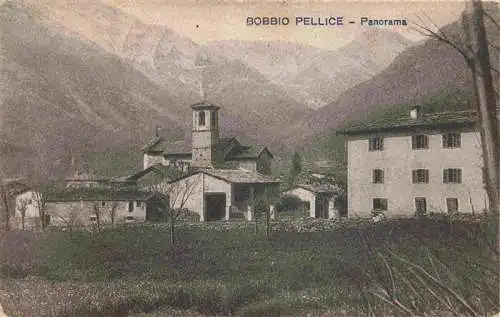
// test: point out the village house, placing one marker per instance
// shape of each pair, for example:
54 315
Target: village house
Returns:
318 200
418 164
79 207
83 199
221 178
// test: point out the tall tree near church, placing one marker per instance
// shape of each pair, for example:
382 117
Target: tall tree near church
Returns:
482 63
296 167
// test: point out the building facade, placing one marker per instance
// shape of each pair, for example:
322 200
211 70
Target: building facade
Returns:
417 165
319 200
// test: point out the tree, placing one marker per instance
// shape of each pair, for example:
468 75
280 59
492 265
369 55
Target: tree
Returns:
22 206
68 216
296 168
174 197
478 58
476 53
5 200
97 213
262 204
40 200
111 212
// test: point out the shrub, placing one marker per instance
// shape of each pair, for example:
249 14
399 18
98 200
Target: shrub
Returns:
288 202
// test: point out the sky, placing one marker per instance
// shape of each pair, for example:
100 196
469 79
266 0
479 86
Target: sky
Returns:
206 21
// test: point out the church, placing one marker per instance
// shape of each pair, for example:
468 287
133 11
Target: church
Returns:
221 178
208 149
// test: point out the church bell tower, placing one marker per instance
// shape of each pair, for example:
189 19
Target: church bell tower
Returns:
205 135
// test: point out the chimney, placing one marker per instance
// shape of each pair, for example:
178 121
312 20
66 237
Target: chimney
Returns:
416 112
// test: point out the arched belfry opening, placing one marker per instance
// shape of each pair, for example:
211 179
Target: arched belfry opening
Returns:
205 135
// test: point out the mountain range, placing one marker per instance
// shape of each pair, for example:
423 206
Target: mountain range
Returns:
81 77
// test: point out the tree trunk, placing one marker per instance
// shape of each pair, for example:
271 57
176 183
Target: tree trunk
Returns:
5 199
268 224
486 102
172 228
23 217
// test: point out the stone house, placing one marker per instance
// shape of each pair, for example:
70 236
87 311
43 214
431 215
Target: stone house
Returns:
416 164
318 200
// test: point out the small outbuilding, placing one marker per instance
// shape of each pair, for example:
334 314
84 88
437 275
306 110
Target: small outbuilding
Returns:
319 200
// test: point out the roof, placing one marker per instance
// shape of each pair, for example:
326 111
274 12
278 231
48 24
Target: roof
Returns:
83 176
246 152
157 169
234 176
317 189
154 145
429 120
86 194
204 106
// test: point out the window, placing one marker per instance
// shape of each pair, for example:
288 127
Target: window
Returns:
93 218
130 206
201 118
139 204
103 203
420 176
420 205
379 204
214 119
376 144
452 175
451 140
452 205
378 176
419 142
30 201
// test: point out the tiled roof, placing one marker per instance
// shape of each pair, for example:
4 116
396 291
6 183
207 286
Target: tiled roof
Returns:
204 105
155 145
430 120
97 194
179 147
158 169
318 189
240 176
235 176
246 152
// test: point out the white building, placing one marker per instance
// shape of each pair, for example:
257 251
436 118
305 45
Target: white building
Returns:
78 207
319 200
421 163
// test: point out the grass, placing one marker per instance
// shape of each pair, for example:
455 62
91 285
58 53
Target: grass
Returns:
133 271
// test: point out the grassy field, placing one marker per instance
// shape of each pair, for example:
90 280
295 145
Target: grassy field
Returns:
214 270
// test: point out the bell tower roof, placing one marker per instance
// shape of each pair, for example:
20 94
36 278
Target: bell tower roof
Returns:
204 106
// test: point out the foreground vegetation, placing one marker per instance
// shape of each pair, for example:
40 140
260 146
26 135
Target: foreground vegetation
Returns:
393 268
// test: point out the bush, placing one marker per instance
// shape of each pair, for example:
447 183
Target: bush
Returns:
187 215
288 202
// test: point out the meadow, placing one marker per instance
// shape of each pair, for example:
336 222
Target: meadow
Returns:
403 267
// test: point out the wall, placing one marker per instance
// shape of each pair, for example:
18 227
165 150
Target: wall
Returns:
398 159
249 165
149 160
304 195
193 188
31 219
79 213
264 163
